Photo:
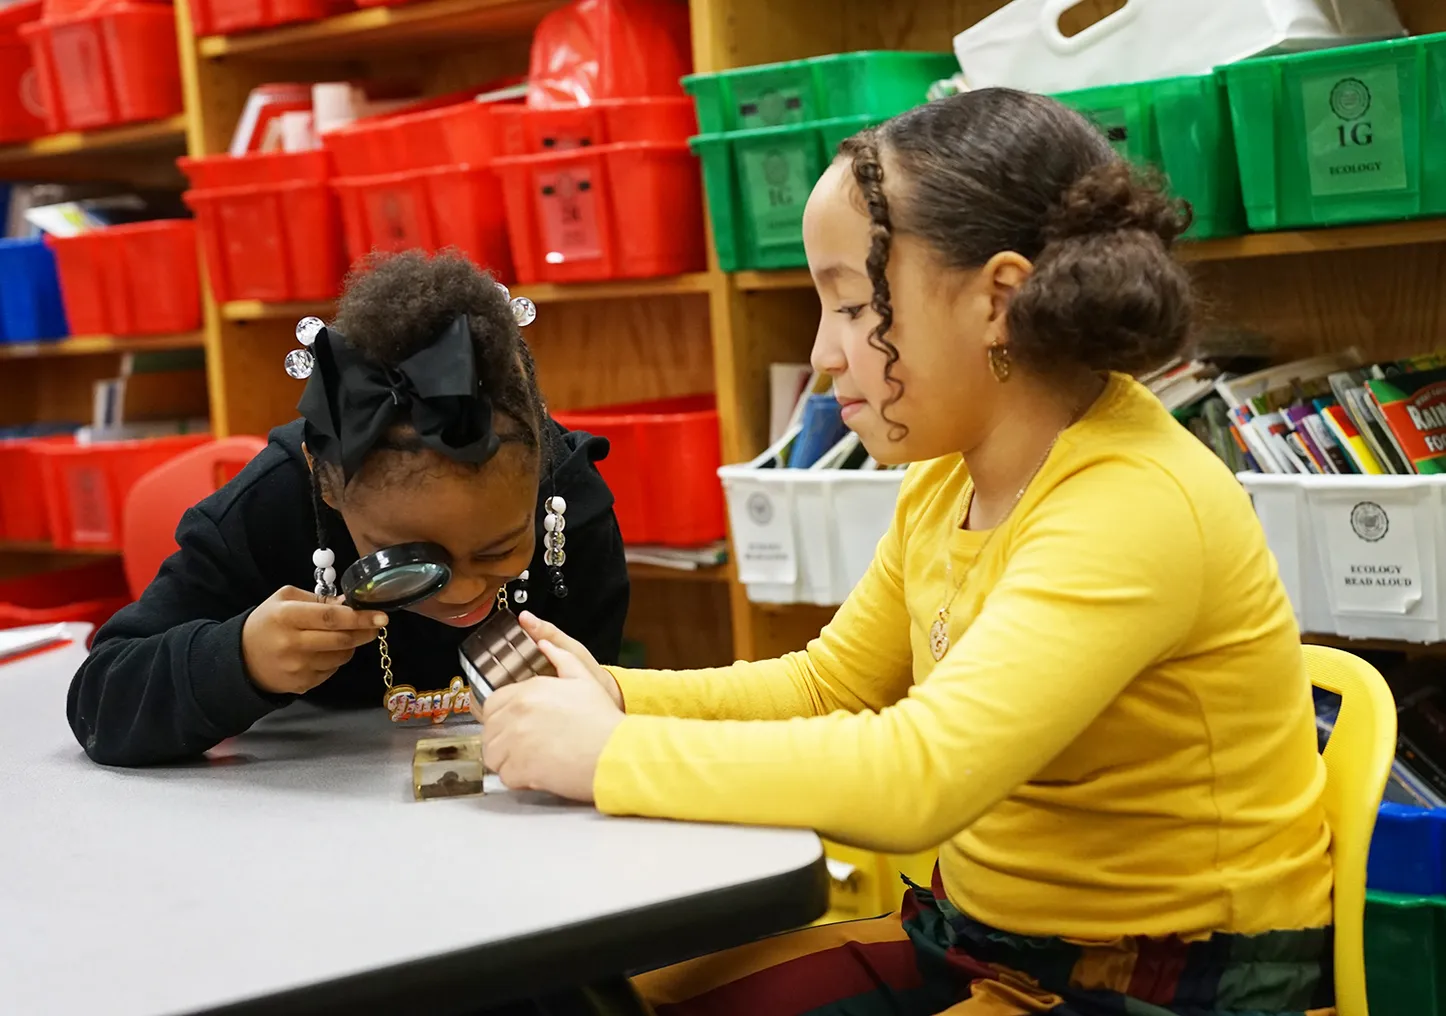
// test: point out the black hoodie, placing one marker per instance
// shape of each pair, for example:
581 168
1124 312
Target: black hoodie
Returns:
165 679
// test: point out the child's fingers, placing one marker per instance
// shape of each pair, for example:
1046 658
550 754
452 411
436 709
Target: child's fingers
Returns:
329 663
315 616
565 663
541 630
295 594
318 641
496 703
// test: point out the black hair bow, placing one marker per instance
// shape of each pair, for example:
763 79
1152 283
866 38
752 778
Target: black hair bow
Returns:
351 401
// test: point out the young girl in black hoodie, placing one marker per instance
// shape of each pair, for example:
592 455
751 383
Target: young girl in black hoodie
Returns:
421 422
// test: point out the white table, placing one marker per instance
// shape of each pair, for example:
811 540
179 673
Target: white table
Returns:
292 872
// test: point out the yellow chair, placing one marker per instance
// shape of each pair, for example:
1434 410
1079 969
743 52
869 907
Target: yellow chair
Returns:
1358 762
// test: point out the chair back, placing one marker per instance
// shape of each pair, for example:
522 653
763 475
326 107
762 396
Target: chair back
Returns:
1358 762
157 501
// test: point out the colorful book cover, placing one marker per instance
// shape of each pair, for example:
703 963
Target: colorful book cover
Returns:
1348 436
1340 462
1244 427
1299 417
1414 407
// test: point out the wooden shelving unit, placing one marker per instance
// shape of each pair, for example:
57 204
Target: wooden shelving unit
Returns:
92 345
142 153
595 343
625 289
439 24
1235 248
21 547
1377 287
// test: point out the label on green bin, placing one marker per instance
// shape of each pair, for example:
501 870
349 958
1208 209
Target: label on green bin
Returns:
777 181
1354 131
771 108
1114 124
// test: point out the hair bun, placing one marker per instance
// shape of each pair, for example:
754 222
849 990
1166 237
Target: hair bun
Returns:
1117 197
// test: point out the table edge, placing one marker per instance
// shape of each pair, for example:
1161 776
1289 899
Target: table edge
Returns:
469 980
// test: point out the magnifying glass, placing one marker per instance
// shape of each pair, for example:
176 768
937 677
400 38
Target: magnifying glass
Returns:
394 578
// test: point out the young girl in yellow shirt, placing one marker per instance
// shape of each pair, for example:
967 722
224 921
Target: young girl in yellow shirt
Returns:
1071 663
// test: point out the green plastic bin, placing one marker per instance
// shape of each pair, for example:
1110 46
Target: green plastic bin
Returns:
1182 127
875 83
757 183
1406 954
1355 134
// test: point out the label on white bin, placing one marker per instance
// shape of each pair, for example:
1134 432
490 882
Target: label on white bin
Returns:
1375 549
762 519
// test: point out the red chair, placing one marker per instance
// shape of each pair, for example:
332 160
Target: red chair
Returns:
158 500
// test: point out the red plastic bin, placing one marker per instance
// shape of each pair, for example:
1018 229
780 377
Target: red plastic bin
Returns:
223 17
269 225
619 211
662 469
214 172
428 209
117 65
22 115
460 133
137 279
89 593
61 9
86 485
527 131
23 515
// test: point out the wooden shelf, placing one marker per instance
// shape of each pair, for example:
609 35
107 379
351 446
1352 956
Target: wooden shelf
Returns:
72 155
1317 241
1375 645
1254 245
760 282
626 289
382 28
89 345
657 573
24 547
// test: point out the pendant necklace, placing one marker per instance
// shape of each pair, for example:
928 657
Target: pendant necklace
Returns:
405 703
939 630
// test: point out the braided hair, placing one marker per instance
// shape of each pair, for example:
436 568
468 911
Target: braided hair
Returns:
863 151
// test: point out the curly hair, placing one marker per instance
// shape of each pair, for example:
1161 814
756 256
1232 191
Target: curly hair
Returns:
863 151
998 170
395 304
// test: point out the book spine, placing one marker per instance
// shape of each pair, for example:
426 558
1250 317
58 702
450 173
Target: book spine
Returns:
1349 438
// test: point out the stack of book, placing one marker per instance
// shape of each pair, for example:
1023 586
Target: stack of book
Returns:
1328 415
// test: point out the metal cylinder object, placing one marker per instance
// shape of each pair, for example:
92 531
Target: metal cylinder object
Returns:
500 653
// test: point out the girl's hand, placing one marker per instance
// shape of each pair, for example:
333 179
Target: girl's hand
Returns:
292 642
546 631
548 734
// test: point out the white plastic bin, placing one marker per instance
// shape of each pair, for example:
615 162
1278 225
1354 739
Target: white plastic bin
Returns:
1023 45
806 535
1360 556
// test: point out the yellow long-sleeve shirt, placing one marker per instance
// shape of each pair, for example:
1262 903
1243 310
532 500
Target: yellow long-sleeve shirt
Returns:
1120 739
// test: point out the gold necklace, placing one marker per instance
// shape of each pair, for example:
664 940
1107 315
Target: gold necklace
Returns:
939 630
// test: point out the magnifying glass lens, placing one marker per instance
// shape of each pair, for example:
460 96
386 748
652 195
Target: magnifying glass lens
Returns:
397 577
401 582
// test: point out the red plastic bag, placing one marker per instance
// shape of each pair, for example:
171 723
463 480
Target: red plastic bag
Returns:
609 49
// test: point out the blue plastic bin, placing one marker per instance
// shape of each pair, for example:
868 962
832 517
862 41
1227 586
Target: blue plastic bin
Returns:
1408 851
30 307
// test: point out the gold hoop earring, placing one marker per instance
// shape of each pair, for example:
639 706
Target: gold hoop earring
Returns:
999 362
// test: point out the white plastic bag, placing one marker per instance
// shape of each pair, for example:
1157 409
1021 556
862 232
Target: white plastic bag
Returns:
1021 45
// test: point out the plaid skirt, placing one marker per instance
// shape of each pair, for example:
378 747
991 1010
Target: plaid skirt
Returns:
933 959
